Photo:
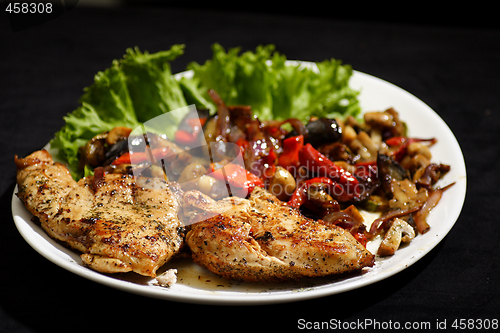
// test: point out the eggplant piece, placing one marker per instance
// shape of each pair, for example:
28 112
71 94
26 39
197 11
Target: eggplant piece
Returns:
389 169
320 131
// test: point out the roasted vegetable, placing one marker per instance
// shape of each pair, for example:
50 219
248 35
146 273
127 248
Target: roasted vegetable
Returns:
346 184
282 184
323 130
400 231
289 158
390 170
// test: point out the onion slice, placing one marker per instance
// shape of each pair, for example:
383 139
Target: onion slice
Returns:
420 218
223 113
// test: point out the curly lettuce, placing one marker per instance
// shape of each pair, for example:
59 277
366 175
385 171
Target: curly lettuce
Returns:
133 90
275 88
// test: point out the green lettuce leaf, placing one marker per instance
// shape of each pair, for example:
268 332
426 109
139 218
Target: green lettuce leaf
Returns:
133 90
276 89
153 89
238 79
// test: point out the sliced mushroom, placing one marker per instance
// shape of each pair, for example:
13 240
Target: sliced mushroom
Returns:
406 195
415 148
379 119
415 162
94 151
400 231
349 134
369 148
117 134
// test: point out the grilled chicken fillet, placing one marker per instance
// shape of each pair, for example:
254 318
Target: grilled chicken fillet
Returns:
263 239
119 224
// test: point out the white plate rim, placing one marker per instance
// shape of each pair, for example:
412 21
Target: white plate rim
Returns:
371 100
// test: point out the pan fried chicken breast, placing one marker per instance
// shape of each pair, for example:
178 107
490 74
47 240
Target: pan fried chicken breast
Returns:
263 239
119 224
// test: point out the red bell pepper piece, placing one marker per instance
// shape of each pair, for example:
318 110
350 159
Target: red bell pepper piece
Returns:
396 140
243 144
401 151
123 159
241 180
259 157
269 164
185 138
366 170
361 237
139 157
289 158
299 196
320 165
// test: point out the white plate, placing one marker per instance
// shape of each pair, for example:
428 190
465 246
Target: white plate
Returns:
197 285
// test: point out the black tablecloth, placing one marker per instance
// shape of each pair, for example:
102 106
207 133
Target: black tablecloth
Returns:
454 69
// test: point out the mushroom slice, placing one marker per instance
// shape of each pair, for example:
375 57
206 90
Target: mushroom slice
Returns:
400 231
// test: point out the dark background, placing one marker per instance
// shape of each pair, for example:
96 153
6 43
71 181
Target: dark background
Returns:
449 60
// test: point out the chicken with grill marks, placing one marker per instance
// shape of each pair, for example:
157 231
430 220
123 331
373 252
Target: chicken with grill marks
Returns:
263 239
119 224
